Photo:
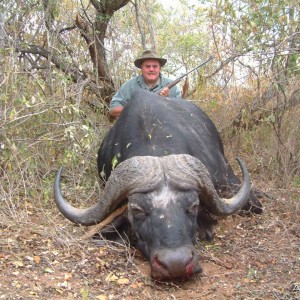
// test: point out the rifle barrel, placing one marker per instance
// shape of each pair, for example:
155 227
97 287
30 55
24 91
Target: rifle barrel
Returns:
203 63
174 82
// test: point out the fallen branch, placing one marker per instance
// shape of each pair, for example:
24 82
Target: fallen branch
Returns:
105 222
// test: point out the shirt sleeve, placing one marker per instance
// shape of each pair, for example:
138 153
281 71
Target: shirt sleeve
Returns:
122 96
119 99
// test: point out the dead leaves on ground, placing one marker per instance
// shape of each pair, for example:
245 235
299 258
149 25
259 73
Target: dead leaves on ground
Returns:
32 266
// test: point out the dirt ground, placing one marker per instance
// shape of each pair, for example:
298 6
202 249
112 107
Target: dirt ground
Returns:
256 257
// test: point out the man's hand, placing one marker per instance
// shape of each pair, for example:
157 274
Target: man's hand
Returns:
116 111
164 92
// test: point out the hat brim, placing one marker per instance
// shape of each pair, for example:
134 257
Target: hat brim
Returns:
138 62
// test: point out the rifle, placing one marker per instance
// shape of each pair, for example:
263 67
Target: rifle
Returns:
174 82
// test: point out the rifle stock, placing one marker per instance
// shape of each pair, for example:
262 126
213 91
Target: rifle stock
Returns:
173 83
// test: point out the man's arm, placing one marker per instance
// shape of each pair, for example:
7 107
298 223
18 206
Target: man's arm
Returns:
120 99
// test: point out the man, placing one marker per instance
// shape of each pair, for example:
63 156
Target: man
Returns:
150 79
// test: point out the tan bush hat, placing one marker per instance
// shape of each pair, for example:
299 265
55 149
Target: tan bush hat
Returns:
149 54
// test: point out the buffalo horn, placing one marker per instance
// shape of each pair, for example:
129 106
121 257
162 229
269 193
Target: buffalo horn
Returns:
188 170
129 176
144 174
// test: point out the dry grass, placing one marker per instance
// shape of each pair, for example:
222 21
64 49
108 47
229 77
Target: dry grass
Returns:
255 257
42 255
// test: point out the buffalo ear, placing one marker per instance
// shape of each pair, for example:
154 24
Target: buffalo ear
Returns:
205 224
119 231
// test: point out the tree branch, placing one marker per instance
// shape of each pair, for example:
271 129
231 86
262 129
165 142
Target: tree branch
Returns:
67 68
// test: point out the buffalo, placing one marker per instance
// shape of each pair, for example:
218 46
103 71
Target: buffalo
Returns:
165 158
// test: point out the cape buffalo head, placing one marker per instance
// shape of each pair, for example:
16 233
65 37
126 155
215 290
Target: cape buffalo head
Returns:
166 196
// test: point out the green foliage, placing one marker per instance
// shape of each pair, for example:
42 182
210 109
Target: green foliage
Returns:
43 127
114 161
264 27
271 118
296 181
181 37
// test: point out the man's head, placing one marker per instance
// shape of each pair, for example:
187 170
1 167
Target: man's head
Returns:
150 70
150 64
149 55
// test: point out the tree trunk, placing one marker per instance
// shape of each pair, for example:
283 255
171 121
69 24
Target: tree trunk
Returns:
95 38
2 36
93 32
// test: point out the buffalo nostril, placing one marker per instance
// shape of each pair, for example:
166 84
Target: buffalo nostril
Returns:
157 261
160 263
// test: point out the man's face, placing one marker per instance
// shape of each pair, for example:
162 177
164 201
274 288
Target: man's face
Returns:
150 70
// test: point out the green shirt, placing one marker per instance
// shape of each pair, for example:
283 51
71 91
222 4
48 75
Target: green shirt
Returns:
125 92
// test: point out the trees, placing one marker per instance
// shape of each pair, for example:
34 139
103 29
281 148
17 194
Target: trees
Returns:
260 45
58 70
48 35
61 62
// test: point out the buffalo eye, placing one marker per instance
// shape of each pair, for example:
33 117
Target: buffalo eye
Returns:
193 209
138 212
